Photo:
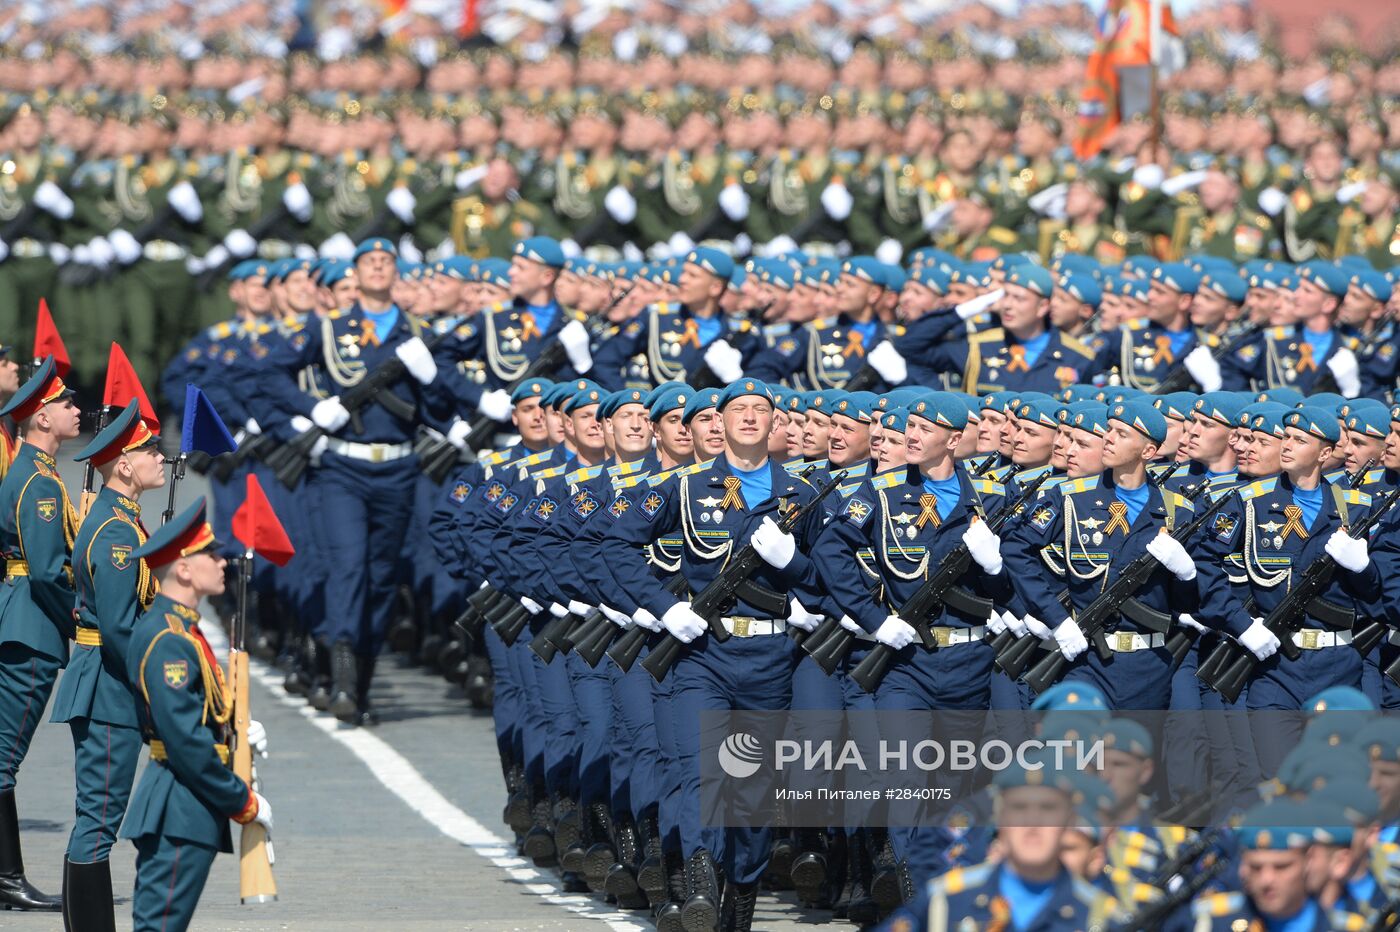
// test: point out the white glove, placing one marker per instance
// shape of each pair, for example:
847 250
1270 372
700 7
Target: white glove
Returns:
495 405
240 243
1350 192
837 201
1167 550
125 246
1070 639
257 737
101 251
849 623
330 415
773 544
1149 176
558 611
680 620
458 432
81 254
780 245
680 243
185 202
1203 368
889 251
646 619
1015 623
984 546
318 448
1183 182
339 246
264 816
799 617
4 250
887 361
531 606
408 250
53 201
1051 201
895 632
1259 640
620 204
401 201
570 247
579 608
251 427
996 623
1349 552
1272 201
1347 371
194 265
418 360
574 337
974 306
724 361
734 201
300 423
297 200
468 176
216 256
1188 621
1037 628
938 218
618 618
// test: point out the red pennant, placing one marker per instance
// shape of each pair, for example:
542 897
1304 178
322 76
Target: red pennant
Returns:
123 384
256 526
47 341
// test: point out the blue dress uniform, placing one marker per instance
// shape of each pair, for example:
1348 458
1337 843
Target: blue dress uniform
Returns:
1145 352
1253 548
366 478
823 354
1378 354
37 526
95 697
1086 528
178 817
751 670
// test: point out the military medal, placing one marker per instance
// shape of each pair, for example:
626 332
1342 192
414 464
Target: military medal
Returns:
718 516
1097 538
705 517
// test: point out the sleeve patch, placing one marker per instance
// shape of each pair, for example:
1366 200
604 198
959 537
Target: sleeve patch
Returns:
506 502
459 492
1223 527
545 510
493 492
619 506
47 508
121 556
1042 517
177 673
652 504
585 503
857 511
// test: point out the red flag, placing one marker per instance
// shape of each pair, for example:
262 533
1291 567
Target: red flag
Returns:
256 526
47 341
471 21
1124 41
123 385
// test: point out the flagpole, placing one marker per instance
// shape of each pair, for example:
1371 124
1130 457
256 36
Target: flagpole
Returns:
1154 33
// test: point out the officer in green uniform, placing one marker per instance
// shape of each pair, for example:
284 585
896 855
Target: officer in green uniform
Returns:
490 219
95 697
37 524
1218 225
179 814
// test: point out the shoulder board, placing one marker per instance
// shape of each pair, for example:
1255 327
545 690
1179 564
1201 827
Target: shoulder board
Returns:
1375 475
777 330
1137 323
1001 473
622 470
1002 235
1281 333
824 323
337 313
497 458
628 482
1084 484
1178 500
1054 482
1030 475
963 878
534 459
990 335
678 472
1347 921
740 325
988 487
583 475
1218 904
1355 496
794 467
553 472
1075 346
221 330
1336 476
1255 489
889 479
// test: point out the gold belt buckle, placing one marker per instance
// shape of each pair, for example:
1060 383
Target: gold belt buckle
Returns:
1124 641
376 452
943 636
741 626
1310 636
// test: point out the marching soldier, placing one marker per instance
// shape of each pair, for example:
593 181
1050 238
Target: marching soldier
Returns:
1218 226
1147 350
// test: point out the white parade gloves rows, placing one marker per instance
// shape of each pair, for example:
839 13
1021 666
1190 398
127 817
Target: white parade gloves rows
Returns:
620 204
185 202
799 617
773 544
495 405
1259 640
1200 362
682 622
984 546
296 199
887 361
257 737
724 361
330 415
1347 371
418 360
1349 552
1070 639
1168 551
895 632
573 336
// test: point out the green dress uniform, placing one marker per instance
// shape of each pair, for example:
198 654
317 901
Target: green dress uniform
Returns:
1104 242
27 274
1311 223
792 203
1377 239
1239 235
690 187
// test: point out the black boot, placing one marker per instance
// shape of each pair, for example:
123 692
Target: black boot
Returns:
701 910
480 682
539 839
651 871
739 902
778 876
884 885
601 855
15 891
87 897
403 633
809 870
343 675
319 654
364 677
568 833
668 914
298 679
453 651
859 905
518 803
621 880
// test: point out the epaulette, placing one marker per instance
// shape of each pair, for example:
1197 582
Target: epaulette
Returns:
987 336
534 459
1355 497
1028 475
1082 484
1375 475
1137 323
1255 489
988 487
1157 470
889 480
1218 904
1341 919
221 331
1001 473
1054 482
794 467
583 474
823 323
337 313
678 472
740 325
1074 346
1002 235
497 458
962 878
622 470
552 472
1336 476
628 482
1281 332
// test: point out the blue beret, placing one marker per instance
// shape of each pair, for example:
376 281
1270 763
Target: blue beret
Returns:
375 244
1039 411
627 396
1177 276
895 277
973 404
994 401
895 419
1280 825
584 392
1372 284
777 273
898 398
1176 405
671 399
1333 401
333 272
970 274
866 268
858 406
1368 420
1141 417
736 277
741 388
655 393
932 278
1088 415
1044 768
494 272
1380 739
1319 422
702 400
1009 260
1223 407
711 260
942 409
819 401
1084 287
1326 276
542 249
1288 397
1071 696
1140 266
1078 262
533 388
1116 393
1339 699
1080 392
1263 416
795 402
239 270
1033 278
1124 734
1210 265
1134 288
1226 284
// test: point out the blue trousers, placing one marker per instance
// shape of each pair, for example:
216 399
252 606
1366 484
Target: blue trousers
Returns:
104 761
1280 683
1185 739
170 876
26 682
636 754
555 700
506 704
593 703
1137 680
1390 693
668 774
